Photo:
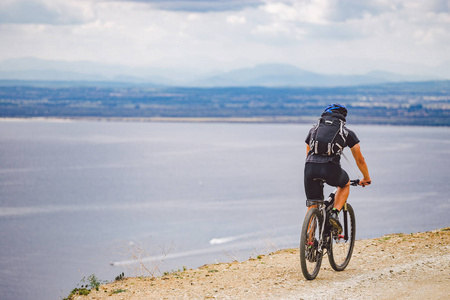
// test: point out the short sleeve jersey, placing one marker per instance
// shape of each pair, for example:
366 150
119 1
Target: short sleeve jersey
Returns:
351 141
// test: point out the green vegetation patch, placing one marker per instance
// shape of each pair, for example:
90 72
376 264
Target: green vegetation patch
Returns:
92 283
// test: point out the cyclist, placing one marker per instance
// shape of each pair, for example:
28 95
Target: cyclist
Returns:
327 168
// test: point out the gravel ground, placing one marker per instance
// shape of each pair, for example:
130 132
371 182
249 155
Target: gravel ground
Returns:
397 266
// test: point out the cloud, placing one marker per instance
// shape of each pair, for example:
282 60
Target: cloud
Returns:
435 6
54 12
233 19
327 11
214 34
200 6
341 11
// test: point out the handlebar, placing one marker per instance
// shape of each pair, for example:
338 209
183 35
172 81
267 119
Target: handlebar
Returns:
356 182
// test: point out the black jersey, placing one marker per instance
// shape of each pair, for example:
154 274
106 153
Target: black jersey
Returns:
351 141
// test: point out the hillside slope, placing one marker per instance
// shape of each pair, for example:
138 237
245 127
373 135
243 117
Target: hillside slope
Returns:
397 266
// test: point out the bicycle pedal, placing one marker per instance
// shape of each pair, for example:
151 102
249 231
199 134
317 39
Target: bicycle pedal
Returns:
337 232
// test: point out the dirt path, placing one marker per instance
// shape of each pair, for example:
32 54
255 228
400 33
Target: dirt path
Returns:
407 266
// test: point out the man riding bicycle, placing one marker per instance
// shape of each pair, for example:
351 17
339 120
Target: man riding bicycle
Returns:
323 159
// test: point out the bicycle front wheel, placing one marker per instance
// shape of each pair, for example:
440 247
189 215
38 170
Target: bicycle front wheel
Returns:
310 257
341 245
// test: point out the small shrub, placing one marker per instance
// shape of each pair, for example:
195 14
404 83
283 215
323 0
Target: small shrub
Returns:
78 291
93 282
84 290
120 277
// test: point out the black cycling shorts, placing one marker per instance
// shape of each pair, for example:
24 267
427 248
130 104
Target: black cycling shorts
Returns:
332 173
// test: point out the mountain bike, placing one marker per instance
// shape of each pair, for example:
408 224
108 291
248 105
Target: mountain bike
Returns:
319 238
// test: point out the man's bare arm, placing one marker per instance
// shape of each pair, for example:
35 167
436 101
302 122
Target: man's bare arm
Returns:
361 163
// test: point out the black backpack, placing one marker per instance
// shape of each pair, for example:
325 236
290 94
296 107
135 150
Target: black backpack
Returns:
329 135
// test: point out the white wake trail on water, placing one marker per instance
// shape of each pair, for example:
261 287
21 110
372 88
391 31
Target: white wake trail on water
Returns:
253 240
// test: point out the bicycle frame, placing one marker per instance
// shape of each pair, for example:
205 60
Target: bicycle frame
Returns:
322 206
323 210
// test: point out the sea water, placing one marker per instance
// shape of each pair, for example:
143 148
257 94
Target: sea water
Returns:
81 198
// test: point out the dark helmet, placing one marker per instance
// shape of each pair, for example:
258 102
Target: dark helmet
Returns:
338 108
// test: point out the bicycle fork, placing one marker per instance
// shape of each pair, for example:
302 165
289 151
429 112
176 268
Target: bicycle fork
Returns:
344 211
322 229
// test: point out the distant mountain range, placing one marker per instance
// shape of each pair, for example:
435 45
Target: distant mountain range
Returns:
279 75
267 75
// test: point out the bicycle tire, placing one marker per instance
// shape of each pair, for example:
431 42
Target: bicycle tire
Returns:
341 249
310 257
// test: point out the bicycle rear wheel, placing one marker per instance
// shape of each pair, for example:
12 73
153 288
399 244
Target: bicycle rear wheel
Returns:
341 247
310 257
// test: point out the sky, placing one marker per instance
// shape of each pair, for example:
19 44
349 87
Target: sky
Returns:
326 36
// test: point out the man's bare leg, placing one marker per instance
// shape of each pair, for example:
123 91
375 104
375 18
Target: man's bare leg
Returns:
341 196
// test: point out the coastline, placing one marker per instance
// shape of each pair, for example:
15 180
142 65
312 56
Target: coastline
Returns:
230 120
281 120
395 266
